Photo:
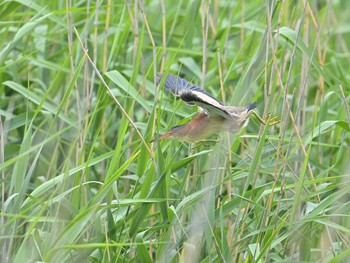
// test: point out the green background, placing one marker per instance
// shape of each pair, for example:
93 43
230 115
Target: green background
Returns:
81 181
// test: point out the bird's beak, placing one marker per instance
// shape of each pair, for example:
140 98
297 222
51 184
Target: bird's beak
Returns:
162 137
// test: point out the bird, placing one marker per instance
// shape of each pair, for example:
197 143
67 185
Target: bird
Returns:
213 117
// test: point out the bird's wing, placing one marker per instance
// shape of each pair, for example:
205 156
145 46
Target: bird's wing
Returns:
194 95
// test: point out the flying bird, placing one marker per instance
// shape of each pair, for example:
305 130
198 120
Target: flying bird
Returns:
214 117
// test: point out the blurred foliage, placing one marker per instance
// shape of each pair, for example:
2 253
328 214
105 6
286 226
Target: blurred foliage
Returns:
80 180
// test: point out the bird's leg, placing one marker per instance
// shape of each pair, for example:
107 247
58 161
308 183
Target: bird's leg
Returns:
272 121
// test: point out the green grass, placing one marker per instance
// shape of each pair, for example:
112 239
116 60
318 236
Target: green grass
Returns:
79 106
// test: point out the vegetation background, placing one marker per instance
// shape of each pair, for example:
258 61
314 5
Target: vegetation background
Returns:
79 105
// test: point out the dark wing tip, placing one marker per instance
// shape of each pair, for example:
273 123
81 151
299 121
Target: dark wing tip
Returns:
182 88
174 83
251 106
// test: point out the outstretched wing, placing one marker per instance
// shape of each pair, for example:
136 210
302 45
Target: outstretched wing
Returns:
194 95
